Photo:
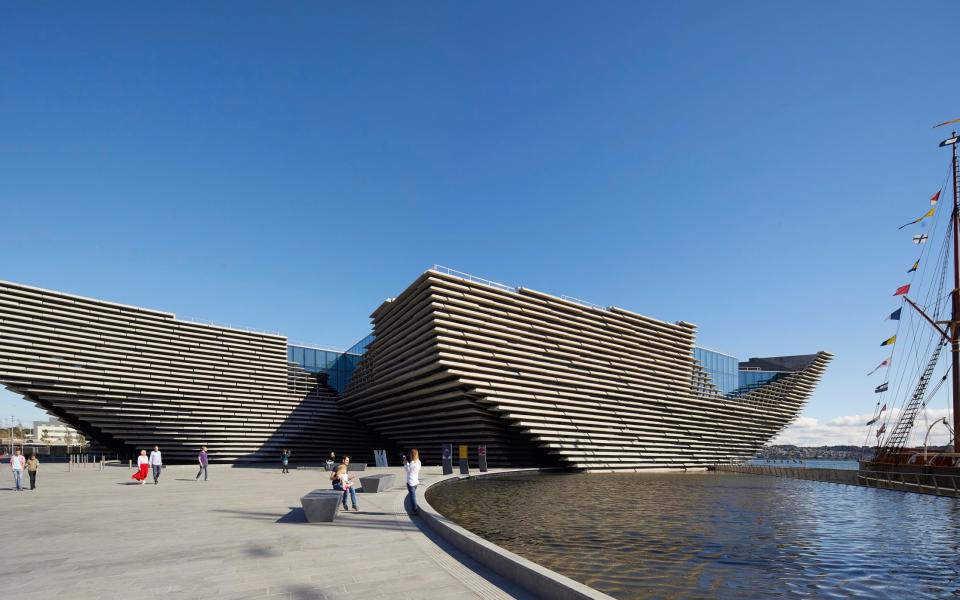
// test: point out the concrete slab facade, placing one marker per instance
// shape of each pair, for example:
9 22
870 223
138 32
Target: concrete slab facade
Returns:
131 378
541 379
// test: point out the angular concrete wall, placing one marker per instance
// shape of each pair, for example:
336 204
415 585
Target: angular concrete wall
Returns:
131 378
540 379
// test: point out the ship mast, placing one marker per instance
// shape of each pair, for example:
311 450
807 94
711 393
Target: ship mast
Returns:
955 313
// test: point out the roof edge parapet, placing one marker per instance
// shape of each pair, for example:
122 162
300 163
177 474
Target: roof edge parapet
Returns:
442 270
142 309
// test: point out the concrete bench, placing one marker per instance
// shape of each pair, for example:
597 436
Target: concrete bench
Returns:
371 484
321 505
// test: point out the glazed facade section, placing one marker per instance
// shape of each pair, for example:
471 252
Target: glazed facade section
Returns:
543 380
131 378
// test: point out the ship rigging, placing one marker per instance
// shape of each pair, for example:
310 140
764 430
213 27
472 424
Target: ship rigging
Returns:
929 334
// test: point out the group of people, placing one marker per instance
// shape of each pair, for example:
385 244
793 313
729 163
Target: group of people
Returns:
20 463
154 462
339 475
342 481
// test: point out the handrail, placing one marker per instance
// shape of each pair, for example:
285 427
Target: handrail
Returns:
583 302
316 347
473 278
209 323
507 288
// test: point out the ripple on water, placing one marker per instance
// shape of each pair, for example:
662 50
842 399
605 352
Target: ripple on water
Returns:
717 535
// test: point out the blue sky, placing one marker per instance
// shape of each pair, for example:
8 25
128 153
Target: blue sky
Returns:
739 165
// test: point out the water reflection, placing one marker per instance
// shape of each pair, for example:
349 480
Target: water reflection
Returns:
717 535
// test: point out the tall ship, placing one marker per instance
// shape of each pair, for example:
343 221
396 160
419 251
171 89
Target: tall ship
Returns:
928 334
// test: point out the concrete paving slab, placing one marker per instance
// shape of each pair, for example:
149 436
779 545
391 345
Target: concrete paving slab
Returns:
89 535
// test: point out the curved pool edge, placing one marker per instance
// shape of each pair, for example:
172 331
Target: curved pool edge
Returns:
525 573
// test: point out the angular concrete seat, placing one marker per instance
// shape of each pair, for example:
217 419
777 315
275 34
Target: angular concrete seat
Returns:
371 484
321 505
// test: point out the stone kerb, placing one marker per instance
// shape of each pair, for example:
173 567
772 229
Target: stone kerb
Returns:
535 578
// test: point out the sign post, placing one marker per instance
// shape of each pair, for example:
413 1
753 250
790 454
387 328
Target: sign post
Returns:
447 459
482 455
464 463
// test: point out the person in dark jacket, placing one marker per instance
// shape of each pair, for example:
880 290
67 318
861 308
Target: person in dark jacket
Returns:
33 464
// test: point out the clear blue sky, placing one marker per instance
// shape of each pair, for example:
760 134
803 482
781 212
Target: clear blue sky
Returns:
739 165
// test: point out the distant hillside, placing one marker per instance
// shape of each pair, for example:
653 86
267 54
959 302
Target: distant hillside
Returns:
818 452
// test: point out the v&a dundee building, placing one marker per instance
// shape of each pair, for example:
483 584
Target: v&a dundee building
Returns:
538 379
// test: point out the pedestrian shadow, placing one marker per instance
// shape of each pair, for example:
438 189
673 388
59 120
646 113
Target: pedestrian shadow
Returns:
179 479
303 592
127 483
261 551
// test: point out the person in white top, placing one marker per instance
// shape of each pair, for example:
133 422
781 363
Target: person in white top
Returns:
143 465
157 463
17 463
412 467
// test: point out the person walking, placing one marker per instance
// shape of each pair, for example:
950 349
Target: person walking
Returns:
143 465
156 461
285 460
33 463
412 467
202 458
17 463
341 482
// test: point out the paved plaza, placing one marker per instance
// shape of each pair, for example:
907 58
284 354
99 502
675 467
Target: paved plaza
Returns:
88 534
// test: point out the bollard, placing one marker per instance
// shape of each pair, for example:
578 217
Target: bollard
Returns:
129 463
482 458
447 459
464 464
69 463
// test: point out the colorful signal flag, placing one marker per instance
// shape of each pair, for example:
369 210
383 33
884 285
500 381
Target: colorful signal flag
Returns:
895 315
885 363
877 418
889 341
903 289
926 215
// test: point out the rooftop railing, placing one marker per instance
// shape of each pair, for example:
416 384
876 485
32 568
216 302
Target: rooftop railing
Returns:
208 323
473 278
506 288
583 302
316 347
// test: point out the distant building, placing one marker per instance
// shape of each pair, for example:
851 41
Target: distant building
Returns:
56 432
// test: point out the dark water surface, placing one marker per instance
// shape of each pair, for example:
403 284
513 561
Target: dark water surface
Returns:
717 535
